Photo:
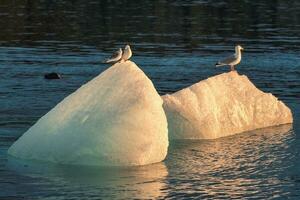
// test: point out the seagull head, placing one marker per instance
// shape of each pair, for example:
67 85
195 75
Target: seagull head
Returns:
239 47
127 46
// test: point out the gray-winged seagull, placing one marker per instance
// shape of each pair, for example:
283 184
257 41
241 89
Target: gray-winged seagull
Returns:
115 57
126 53
233 59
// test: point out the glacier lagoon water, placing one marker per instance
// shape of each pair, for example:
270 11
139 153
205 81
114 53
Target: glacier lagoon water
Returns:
176 44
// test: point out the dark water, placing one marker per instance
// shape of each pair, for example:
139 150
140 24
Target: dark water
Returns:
176 43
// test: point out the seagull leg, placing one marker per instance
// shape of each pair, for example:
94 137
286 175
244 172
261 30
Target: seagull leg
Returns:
232 67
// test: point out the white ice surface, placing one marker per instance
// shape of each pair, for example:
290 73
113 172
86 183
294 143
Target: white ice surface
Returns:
222 105
115 119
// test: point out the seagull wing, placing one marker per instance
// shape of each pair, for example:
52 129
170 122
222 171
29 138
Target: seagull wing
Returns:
116 56
226 61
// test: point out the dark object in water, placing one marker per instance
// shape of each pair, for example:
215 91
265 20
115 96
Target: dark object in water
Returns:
52 75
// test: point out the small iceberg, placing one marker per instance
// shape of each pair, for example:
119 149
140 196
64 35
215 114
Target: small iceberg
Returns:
222 105
116 119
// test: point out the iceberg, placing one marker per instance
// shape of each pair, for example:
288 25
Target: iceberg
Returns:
220 106
116 119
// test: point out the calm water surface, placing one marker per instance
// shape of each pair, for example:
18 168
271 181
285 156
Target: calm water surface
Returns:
176 43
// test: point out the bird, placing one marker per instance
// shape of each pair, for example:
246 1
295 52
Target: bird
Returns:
116 56
127 53
233 59
52 75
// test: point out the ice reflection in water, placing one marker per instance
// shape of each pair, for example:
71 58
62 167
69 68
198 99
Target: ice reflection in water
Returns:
92 182
254 164
257 164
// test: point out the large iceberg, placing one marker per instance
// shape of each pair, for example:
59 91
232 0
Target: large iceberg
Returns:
222 105
116 119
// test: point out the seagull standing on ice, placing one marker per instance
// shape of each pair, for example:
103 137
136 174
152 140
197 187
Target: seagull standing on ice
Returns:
233 59
115 57
127 53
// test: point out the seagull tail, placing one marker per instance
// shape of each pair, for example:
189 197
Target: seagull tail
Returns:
107 61
111 61
218 64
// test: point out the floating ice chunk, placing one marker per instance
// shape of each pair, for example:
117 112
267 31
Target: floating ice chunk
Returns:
115 119
222 105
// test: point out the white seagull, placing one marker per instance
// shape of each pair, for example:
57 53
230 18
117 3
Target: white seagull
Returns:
233 59
127 53
115 57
